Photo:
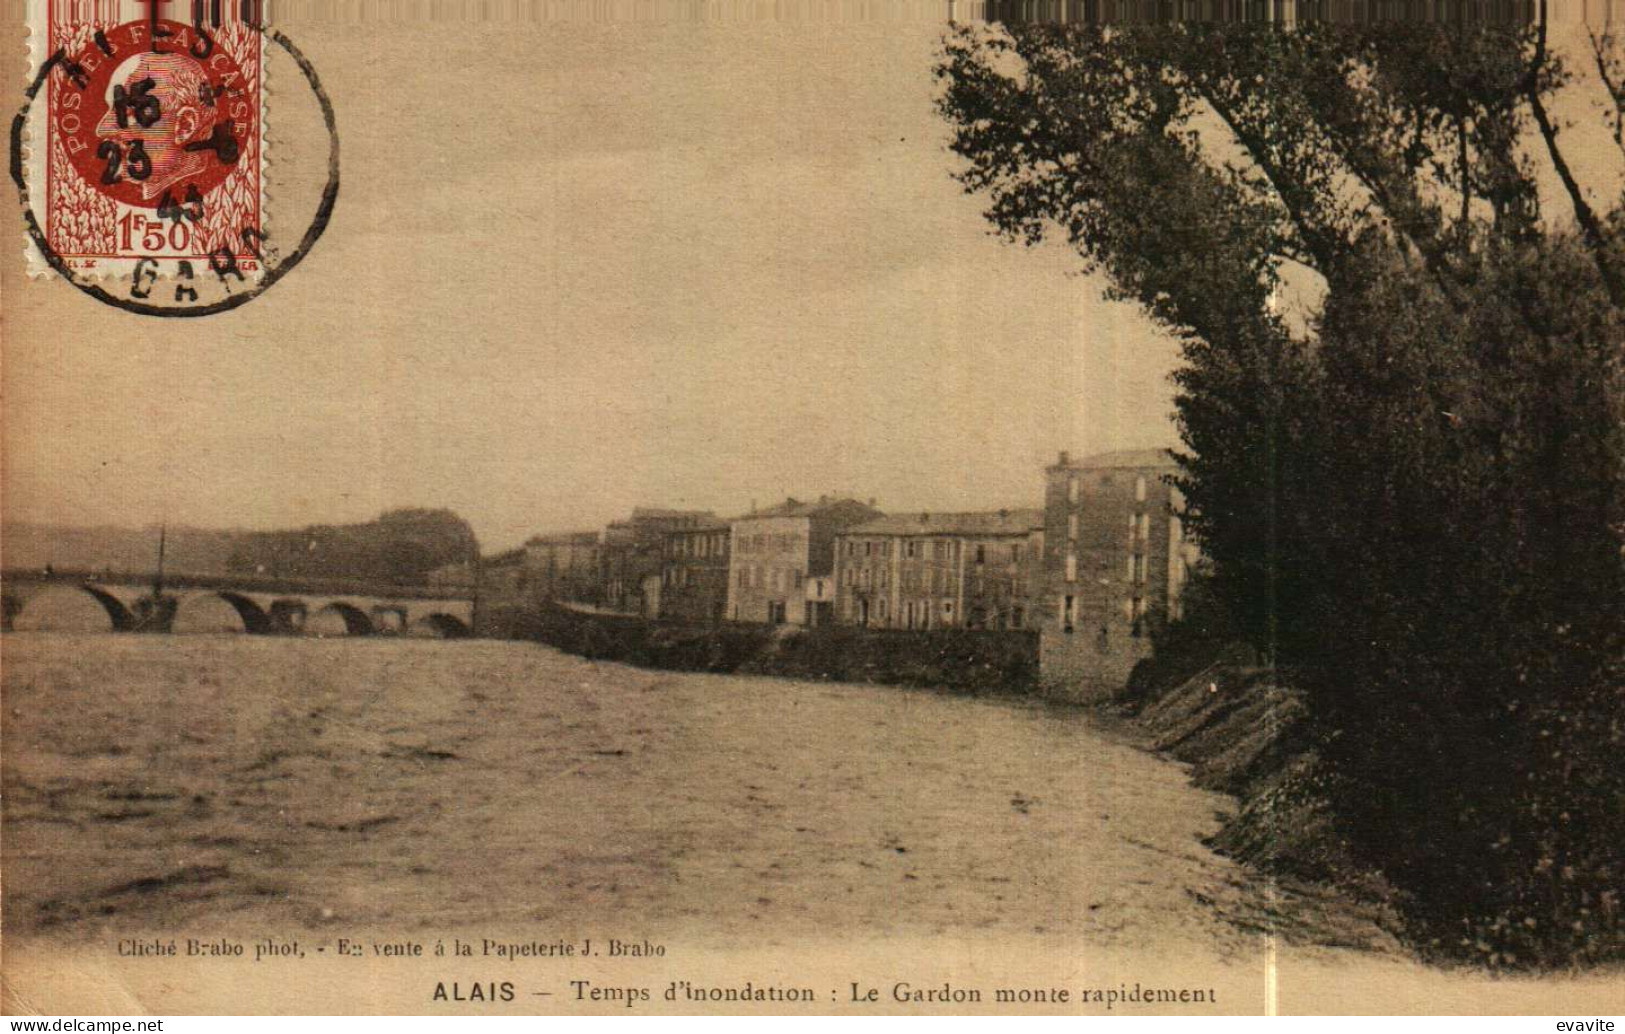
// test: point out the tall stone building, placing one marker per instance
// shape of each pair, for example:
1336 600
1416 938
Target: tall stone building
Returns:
565 566
1115 557
695 576
776 551
632 557
942 570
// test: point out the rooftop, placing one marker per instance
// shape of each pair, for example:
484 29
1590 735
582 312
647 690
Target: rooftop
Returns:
1120 458
651 513
709 522
572 538
823 505
986 522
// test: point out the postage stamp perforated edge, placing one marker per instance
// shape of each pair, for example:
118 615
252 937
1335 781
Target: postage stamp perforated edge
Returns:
112 265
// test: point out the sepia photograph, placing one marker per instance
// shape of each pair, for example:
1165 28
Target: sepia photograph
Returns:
813 508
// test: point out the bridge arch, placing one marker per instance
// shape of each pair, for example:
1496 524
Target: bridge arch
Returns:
12 605
222 611
73 608
287 616
389 619
439 626
338 618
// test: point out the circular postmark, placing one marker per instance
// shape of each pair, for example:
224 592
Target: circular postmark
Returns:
156 133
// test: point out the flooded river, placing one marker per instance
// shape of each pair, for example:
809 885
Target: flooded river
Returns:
303 787
396 782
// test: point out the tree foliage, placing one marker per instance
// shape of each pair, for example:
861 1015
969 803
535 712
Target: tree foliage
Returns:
1413 494
401 547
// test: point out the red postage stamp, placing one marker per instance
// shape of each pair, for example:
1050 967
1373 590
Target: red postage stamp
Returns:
148 158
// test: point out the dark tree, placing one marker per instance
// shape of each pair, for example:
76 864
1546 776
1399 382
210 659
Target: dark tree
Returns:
1411 492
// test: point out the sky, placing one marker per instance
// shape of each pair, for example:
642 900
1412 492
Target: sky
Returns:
576 270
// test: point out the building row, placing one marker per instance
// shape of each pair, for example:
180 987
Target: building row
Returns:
1085 571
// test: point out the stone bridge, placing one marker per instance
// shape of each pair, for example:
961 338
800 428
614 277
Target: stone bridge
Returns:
36 601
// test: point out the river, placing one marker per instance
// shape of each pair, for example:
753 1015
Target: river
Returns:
157 785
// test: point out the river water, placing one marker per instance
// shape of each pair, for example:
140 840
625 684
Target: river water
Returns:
308 788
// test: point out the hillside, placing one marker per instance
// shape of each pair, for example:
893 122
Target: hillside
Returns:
401 547
25 546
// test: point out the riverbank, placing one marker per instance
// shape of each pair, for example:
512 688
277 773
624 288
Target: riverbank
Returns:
1243 733
1001 663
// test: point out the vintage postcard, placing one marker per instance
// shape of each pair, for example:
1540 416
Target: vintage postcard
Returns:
813 508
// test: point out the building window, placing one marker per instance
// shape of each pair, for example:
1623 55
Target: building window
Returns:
1139 489
1068 613
1145 527
1071 567
1017 616
1072 527
1015 554
981 554
1072 489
